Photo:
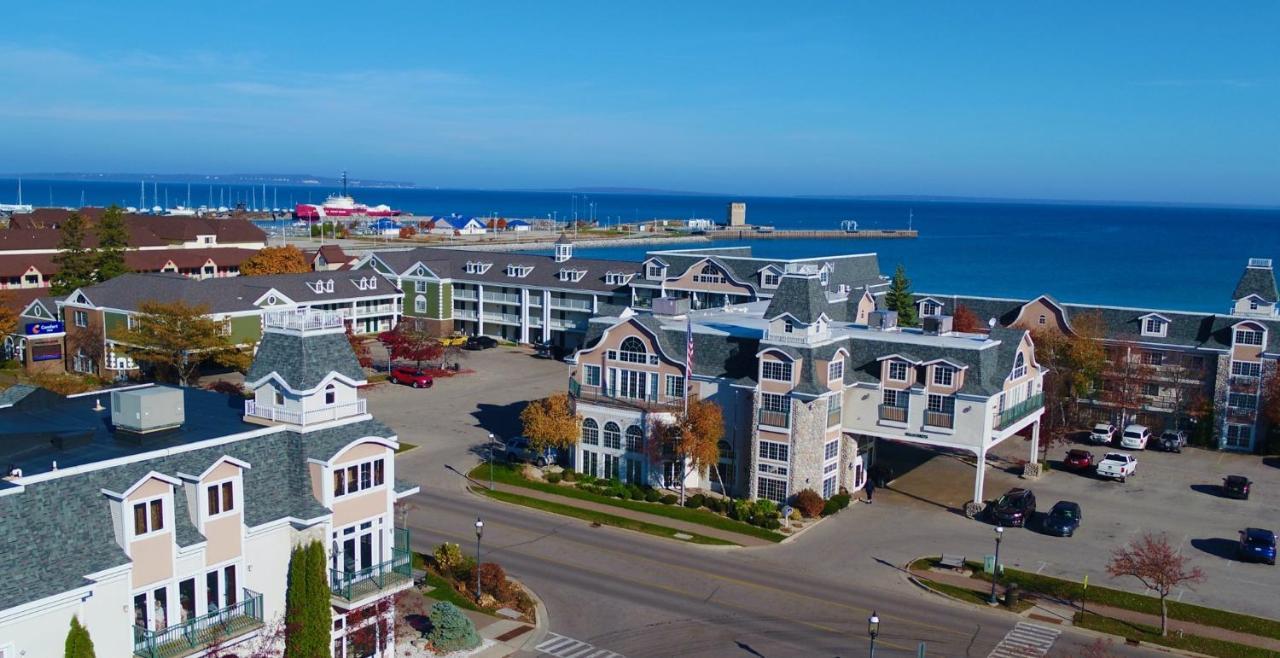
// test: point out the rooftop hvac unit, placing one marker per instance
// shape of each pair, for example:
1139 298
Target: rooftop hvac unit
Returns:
883 320
936 325
147 410
670 306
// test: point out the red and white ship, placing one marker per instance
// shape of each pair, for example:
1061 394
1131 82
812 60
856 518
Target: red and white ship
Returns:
342 205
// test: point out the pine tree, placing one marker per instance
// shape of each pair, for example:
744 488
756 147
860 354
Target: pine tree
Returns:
899 299
113 240
307 614
79 644
75 262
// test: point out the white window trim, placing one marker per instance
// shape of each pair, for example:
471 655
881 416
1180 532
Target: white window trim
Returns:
237 498
905 373
949 372
832 375
347 492
1160 330
785 366
166 516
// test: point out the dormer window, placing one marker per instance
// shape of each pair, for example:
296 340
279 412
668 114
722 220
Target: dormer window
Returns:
477 267
330 394
220 498
778 371
519 271
1019 366
1248 337
835 371
944 375
1253 304
572 275
769 279
897 371
616 278
1154 325
824 276
709 274
929 307
148 517
788 327
655 270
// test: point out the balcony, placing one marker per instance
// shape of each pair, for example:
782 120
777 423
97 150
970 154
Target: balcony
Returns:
314 320
464 313
503 318
647 401
567 325
893 413
374 309
308 417
464 295
1019 411
502 298
939 419
571 304
775 418
194 635
377 580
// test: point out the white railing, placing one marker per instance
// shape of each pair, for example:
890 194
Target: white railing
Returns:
535 320
577 304
557 323
309 417
501 298
303 320
510 318
374 309
464 313
464 295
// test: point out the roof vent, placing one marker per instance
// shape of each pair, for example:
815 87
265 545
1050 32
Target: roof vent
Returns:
1263 263
670 306
936 325
883 320
146 410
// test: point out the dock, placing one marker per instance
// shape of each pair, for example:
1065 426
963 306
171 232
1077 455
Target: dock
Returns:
805 234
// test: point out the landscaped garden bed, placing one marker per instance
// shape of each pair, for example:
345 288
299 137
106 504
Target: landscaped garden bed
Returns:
453 576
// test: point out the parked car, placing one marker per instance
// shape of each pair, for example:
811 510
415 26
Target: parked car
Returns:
1102 433
550 351
1236 486
1135 437
1117 465
1014 509
1257 545
1078 460
411 377
516 449
475 343
1171 441
453 341
1063 519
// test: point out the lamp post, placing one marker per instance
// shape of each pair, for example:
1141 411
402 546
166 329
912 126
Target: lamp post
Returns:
479 533
490 461
873 629
995 574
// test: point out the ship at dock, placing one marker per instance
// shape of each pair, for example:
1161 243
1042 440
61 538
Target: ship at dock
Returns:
341 205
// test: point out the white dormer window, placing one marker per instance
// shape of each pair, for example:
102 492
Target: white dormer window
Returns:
655 271
897 371
788 327
929 307
477 267
519 271
1248 337
824 276
148 517
944 375
572 275
835 371
1154 326
1253 304
769 279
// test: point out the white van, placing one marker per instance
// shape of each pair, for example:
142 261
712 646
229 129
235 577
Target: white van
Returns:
1135 437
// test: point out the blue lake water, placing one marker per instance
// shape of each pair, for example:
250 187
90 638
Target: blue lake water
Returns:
1172 257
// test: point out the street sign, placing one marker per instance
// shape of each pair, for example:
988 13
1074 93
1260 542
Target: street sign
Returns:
42 328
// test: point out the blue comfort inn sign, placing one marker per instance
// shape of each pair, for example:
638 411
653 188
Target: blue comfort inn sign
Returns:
41 328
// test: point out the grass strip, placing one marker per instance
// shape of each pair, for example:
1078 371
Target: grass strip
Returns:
599 517
505 474
405 446
968 595
1151 635
442 590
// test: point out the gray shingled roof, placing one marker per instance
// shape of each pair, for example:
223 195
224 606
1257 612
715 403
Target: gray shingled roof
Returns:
304 361
800 296
451 264
1257 281
230 294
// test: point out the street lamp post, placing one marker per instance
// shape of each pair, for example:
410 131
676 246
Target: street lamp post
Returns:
995 574
873 629
490 461
479 533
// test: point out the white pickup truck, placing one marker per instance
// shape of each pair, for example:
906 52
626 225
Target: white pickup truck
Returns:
1117 465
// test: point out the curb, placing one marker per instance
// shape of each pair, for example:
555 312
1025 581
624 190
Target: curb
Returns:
542 623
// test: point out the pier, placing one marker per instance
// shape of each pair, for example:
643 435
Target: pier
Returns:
805 234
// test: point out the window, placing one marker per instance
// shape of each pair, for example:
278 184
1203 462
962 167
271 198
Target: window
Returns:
148 517
590 432
831 450
1246 369
779 403
675 386
359 477
1242 400
943 375
591 375
654 271
1253 304
834 404
1151 390
770 280
632 350
81 318
829 485
778 371
612 436
943 404
1153 327
835 371
894 398
420 286
1239 436
220 498
1152 358
635 438
709 274
1248 337
279 397
929 307
1019 366
330 394
773 451
1041 319
771 489
897 371
420 304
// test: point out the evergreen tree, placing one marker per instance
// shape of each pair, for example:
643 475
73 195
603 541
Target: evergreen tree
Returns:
113 240
79 644
307 615
899 299
75 262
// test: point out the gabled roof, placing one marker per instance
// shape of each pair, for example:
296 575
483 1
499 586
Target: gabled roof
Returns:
231 294
451 264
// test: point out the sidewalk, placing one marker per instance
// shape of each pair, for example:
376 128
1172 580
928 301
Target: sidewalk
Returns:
674 524
1175 625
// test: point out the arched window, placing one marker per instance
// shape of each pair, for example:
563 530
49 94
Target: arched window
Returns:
420 304
726 450
330 394
632 350
590 432
709 274
1019 366
635 439
612 435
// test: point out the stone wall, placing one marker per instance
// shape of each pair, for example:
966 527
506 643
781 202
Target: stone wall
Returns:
1221 386
808 433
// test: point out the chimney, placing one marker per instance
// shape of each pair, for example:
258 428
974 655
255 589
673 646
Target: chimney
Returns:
883 320
936 325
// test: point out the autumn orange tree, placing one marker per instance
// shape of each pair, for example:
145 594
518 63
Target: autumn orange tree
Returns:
410 342
693 436
176 338
8 314
286 259
1125 379
360 347
1158 565
965 320
551 422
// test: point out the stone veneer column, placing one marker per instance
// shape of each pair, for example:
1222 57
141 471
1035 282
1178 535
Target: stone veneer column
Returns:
1221 386
808 435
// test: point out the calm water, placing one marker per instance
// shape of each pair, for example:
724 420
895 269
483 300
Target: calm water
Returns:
1153 256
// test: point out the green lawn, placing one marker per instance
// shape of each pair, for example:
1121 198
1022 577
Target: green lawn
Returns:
1151 634
405 446
598 517
506 474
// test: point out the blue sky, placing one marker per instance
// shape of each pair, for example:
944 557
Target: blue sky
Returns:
1171 101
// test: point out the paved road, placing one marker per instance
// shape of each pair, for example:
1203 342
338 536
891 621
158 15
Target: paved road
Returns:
612 591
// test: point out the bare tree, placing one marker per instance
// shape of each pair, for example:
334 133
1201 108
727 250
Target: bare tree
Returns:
1125 379
1158 565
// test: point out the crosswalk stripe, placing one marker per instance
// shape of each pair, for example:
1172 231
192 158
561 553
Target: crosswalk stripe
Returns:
1024 640
561 646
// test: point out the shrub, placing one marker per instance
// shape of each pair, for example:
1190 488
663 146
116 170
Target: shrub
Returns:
652 495
450 629
78 643
715 504
569 476
463 570
795 515
447 556
831 507
668 499
636 494
553 478
493 580
695 501
842 499
740 510
809 503
765 507
225 387
771 524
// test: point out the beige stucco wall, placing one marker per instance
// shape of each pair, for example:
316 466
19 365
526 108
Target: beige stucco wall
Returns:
611 341
865 306
223 471
148 489
318 481
361 452
773 386
1029 317
685 281
152 559
359 507
223 537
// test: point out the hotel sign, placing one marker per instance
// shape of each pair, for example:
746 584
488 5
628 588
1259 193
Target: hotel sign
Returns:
42 328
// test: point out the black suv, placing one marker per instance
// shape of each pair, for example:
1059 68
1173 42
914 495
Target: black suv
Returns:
476 343
1014 509
1236 486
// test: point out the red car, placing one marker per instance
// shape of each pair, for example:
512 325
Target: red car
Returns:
1079 460
411 377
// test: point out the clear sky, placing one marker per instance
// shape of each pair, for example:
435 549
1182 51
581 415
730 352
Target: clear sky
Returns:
1158 101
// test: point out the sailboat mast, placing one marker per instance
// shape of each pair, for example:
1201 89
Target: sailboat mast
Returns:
344 183
142 197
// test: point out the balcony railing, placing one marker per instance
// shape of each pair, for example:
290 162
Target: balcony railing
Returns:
939 419
506 318
303 320
197 633
374 309
501 298
309 417
1019 411
464 295
613 396
892 413
775 418
464 313
574 304
567 325
362 583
